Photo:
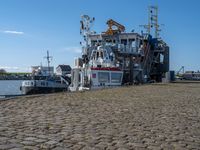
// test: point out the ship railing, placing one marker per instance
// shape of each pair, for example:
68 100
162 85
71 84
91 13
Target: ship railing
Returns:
63 80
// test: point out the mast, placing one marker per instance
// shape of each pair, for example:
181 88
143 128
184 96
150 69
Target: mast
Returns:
153 25
48 61
85 30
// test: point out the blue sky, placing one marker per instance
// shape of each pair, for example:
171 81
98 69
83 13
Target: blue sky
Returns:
29 28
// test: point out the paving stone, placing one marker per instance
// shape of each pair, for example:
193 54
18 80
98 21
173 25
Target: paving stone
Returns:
40 140
3 129
51 142
6 146
28 143
3 139
30 139
136 117
61 148
30 148
42 136
49 145
154 147
77 147
122 149
16 148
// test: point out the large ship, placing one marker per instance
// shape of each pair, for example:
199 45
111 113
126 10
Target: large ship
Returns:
115 57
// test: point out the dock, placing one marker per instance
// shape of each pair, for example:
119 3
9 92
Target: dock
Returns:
155 116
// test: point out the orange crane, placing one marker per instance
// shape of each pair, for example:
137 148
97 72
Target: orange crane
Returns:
111 31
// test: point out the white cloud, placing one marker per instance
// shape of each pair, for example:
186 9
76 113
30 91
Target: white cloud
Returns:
6 67
73 49
13 32
16 69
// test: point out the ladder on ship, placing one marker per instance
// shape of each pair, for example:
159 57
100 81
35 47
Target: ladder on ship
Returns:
148 59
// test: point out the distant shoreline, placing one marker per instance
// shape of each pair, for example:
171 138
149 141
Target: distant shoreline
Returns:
15 77
2 97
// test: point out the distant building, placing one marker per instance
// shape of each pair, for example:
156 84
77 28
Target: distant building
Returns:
191 75
42 71
63 70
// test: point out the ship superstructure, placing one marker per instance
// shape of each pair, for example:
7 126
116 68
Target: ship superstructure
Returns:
116 57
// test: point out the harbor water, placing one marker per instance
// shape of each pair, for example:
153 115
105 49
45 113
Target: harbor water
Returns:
10 88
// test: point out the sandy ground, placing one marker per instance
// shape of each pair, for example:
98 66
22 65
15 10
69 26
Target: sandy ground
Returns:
160 116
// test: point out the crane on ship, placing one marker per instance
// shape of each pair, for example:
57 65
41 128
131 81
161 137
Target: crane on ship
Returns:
111 31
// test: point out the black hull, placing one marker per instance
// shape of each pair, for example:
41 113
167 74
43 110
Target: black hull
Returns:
41 90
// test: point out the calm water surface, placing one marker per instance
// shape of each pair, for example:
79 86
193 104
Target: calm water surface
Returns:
10 87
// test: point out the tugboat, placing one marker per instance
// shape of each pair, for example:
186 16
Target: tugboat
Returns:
43 81
44 86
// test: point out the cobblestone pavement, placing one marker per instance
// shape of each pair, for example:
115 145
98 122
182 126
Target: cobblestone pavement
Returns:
139 117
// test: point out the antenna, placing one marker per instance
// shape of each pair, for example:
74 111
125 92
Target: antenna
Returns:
152 21
48 61
85 29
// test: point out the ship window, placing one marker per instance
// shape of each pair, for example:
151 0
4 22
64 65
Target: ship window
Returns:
79 77
108 41
116 77
101 54
133 44
94 75
124 41
94 42
161 58
97 55
103 76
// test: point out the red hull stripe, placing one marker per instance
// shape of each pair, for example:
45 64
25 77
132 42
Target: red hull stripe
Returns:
106 69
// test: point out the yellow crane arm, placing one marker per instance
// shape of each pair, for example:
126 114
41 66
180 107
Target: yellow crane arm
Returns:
111 23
